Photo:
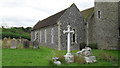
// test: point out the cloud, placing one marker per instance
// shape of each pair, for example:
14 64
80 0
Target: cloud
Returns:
28 12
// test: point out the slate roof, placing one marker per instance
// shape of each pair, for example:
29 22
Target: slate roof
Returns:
54 18
49 21
87 12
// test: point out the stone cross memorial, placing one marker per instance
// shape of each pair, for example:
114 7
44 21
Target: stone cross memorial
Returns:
68 56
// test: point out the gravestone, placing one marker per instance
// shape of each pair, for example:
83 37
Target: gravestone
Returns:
69 58
55 60
86 53
20 44
4 44
13 43
26 44
35 44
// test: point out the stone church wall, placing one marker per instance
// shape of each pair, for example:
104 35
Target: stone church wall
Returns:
74 18
105 32
90 23
47 42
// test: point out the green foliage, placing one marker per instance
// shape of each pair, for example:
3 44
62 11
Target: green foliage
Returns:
51 62
43 57
61 57
15 35
79 59
82 45
107 57
16 32
86 13
93 45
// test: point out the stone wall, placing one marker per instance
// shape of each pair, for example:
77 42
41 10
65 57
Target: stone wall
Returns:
48 41
74 18
90 23
105 32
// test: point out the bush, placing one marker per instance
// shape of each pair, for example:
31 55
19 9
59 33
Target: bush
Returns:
61 57
15 35
16 32
93 46
51 62
79 59
107 57
82 45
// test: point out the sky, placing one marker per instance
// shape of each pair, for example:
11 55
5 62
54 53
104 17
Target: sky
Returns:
26 13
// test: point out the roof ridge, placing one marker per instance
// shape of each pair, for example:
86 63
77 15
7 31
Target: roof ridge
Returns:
47 20
54 14
87 9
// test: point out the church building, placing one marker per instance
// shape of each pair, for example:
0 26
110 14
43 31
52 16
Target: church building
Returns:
103 24
49 32
98 25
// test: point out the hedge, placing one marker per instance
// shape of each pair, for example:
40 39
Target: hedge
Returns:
15 35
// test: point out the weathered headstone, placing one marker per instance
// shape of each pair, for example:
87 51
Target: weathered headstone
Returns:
55 60
4 44
35 44
26 44
13 43
19 43
86 53
69 58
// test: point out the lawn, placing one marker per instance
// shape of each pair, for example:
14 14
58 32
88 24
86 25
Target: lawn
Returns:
41 57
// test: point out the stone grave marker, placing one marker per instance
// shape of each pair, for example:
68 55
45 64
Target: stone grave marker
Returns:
26 44
4 44
55 61
13 43
35 44
86 53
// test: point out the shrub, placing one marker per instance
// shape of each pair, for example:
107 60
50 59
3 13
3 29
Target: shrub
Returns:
51 62
15 35
79 59
107 57
93 46
61 57
82 45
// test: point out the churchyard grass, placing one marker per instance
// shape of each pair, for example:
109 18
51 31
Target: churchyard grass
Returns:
42 56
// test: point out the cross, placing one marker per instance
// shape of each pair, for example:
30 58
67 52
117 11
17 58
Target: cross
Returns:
68 38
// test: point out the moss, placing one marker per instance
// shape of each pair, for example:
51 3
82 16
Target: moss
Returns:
86 13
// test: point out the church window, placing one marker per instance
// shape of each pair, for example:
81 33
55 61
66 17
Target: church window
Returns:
45 36
119 31
36 36
40 36
99 14
52 35
74 36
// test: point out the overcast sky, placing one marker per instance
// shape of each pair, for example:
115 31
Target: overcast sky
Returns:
26 13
